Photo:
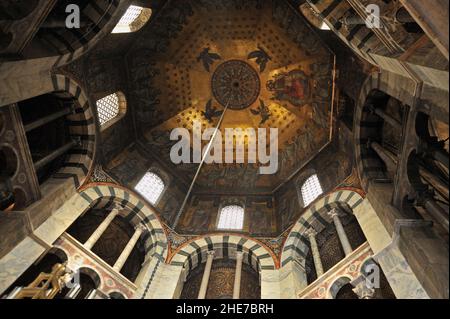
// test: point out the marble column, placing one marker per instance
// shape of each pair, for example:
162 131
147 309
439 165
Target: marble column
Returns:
311 233
387 118
434 209
128 248
101 229
237 275
55 154
341 232
47 119
92 294
387 157
206 273
73 292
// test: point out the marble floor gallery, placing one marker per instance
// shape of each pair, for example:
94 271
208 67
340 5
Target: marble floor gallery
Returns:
352 203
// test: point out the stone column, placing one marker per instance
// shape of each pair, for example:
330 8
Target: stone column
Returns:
311 233
73 292
206 273
47 119
101 229
341 232
237 275
92 294
128 248
427 201
387 118
387 157
55 154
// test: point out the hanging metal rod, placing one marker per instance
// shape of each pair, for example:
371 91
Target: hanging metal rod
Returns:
208 148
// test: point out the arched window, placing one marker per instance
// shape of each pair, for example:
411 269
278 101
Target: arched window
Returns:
151 187
111 108
133 19
311 189
231 218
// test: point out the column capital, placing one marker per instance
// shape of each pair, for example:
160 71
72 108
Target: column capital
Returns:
120 262
363 291
140 227
237 275
311 232
118 207
333 213
206 274
95 236
239 255
113 212
346 246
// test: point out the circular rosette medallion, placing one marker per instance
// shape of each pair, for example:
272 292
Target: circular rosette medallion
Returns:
235 83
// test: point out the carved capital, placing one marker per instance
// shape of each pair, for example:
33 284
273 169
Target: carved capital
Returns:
141 227
363 291
333 213
311 233
239 255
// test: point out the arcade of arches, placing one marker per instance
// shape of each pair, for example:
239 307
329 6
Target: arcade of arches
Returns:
93 207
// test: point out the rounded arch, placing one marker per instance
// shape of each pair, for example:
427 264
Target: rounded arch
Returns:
97 19
92 274
337 285
79 163
316 216
117 295
370 127
21 79
191 254
60 253
89 280
43 264
136 211
367 125
73 134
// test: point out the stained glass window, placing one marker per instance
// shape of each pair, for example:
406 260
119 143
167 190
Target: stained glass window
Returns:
311 189
151 187
231 218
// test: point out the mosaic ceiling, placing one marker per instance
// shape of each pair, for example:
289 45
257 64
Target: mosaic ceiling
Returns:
260 58
235 84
